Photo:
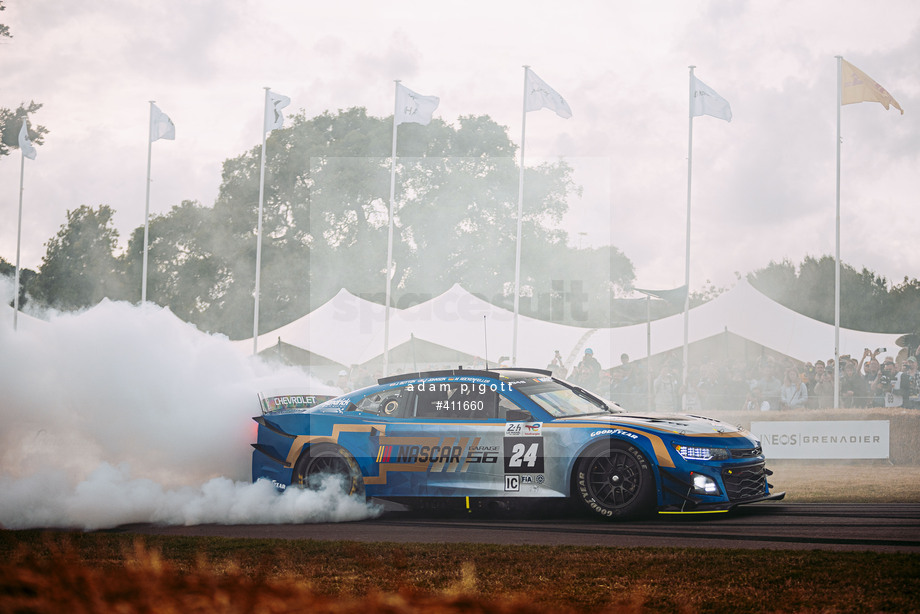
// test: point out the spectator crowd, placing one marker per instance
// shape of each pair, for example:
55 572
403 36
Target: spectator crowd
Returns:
767 384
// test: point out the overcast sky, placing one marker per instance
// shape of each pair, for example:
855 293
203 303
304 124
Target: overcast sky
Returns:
763 185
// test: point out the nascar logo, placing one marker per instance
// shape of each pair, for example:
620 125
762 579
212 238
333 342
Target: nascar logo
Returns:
438 453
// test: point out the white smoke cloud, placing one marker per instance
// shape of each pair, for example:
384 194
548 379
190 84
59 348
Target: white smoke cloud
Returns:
109 497
124 414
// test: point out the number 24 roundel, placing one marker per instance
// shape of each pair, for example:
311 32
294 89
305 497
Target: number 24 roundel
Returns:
523 454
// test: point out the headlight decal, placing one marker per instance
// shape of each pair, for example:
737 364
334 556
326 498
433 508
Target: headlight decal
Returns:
698 453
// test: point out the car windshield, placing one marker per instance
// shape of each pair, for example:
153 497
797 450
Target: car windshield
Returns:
560 400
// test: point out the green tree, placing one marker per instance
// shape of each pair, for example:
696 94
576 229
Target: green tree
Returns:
325 223
866 302
11 124
4 29
11 120
183 270
903 310
8 269
80 268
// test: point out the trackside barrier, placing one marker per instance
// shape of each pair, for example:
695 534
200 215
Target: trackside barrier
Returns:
829 434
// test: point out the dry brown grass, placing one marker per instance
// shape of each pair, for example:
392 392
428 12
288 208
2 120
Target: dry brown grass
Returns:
114 573
142 580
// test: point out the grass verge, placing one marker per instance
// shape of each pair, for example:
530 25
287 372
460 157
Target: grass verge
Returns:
46 571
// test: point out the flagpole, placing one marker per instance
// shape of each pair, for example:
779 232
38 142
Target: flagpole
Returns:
147 208
520 221
648 352
386 317
255 315
687 256
22 172
837 245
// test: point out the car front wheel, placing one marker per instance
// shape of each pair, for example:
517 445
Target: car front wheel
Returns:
614 480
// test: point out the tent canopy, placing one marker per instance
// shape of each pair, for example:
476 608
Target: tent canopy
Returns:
350 331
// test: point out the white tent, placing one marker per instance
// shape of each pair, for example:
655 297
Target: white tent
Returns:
349 330
462 321
24 322
341 329
748 314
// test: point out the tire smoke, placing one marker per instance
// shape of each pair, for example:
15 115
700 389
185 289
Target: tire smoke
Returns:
124 414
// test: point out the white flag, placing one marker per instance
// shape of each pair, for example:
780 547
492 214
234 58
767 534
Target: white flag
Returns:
539 95
25 145
414 108
705 101
274 119
161 127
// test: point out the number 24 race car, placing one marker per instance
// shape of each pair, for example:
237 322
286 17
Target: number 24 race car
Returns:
479 437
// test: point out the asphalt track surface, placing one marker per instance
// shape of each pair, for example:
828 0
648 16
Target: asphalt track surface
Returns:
781 526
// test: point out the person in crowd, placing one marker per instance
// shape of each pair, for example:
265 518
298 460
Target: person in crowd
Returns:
754 401
589 370
909 383
666 389
794 392
769 384
342 381
625 365
824 389
735 387
619 391
870 369
690 398
853 389
883 388
817 370
623 386
708 385
557 366
361 377
808 378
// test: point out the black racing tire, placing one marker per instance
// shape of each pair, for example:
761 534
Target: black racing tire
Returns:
318 461
614 480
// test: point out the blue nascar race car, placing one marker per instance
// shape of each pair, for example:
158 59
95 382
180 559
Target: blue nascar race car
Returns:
481 437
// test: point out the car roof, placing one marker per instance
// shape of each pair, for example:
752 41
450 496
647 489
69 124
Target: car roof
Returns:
490 373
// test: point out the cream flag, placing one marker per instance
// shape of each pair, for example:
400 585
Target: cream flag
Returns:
860 87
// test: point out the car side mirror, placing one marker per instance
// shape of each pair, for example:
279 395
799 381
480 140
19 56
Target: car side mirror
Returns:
518 415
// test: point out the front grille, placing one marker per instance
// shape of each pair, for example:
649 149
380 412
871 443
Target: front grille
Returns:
745 482
747 452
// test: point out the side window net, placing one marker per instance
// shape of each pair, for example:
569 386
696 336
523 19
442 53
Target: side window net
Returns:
391 403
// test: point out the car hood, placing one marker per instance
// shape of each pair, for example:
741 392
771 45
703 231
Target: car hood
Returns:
684 424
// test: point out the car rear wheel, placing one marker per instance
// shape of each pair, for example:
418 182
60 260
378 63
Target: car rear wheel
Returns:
317 463
614 480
